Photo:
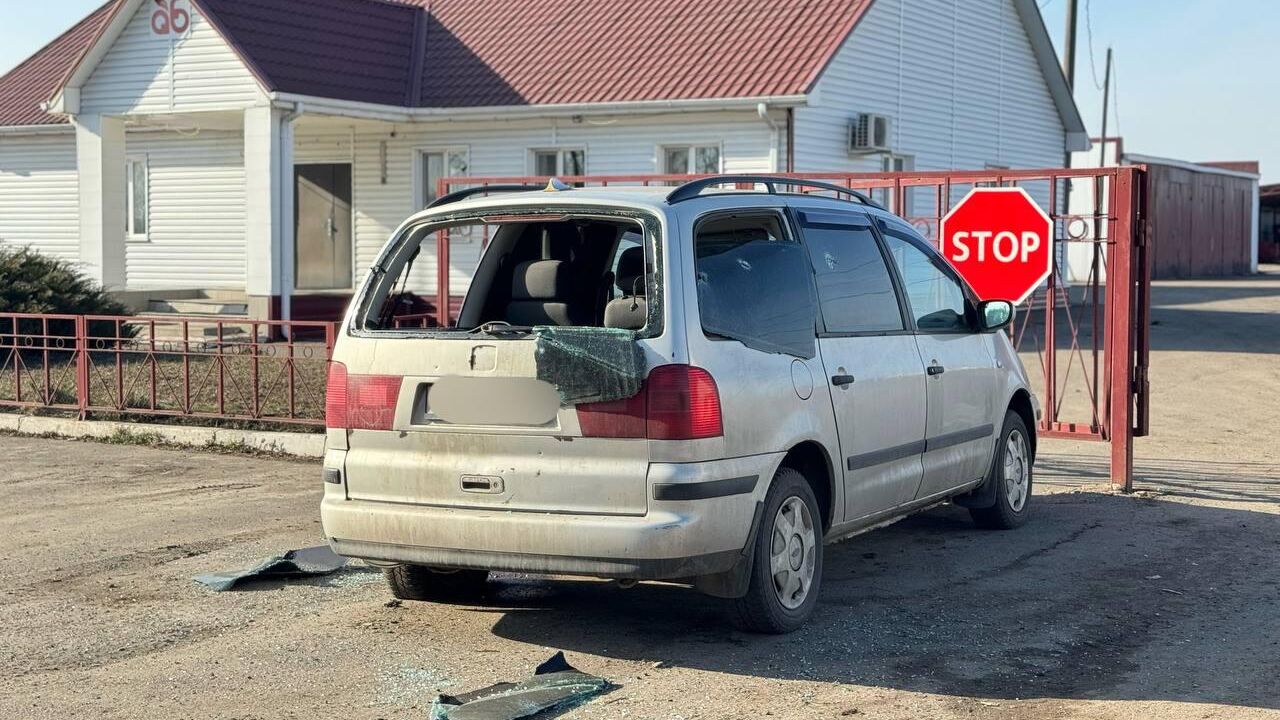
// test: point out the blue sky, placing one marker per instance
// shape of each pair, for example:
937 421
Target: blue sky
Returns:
1195 78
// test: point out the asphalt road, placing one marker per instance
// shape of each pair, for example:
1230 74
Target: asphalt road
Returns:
1159 604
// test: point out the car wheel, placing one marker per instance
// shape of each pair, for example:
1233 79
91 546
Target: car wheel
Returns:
1011 472
414 582
787 559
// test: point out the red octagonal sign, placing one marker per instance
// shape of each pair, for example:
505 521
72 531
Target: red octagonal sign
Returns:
1000 241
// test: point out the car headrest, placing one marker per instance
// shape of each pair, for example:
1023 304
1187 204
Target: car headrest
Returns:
540 280
631 270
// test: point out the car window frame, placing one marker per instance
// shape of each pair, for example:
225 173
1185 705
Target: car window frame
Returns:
911 237
785 222
858 220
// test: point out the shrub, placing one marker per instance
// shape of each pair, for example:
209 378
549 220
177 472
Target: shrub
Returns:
35 283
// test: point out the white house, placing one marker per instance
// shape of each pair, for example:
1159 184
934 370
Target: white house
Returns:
164 145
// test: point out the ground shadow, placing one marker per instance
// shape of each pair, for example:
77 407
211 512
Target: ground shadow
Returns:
1099 597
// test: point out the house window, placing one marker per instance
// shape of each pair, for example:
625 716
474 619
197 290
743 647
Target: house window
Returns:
691 159
896 163
136 198
559 162
436 165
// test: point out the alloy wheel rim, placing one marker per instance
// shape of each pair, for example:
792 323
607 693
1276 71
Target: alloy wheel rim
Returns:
793 552
1017 472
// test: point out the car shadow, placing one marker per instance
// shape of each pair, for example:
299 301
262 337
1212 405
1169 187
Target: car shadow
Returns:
1099 596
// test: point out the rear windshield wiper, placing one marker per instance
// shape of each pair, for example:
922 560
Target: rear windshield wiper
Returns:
499 328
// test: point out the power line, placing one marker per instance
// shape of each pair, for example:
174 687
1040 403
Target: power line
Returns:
1088 26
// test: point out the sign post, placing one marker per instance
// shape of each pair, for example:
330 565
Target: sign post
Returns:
1000 241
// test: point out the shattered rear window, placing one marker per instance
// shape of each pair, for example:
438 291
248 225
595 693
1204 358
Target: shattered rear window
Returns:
582 284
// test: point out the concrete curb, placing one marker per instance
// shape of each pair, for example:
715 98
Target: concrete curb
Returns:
298 444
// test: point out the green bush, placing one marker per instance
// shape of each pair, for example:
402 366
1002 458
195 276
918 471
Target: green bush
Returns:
35 283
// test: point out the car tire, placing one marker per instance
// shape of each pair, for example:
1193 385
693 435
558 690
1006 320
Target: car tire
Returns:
790 532
414 582
1011 466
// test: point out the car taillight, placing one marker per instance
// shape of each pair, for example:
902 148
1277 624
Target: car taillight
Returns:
677 402
360 402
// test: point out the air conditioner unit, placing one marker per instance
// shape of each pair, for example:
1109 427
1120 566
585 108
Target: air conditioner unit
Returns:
869 133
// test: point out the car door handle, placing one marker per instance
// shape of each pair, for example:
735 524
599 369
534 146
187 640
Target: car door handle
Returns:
935 369
841 380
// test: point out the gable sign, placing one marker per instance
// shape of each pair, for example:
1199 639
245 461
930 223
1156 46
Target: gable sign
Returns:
170 17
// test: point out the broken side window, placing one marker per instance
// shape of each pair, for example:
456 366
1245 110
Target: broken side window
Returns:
755 284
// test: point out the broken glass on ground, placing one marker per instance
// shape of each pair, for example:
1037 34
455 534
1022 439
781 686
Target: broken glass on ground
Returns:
307 562
555 684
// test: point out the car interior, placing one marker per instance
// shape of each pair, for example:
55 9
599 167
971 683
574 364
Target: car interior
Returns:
563 272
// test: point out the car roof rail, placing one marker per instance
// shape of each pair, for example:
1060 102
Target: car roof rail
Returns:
694 188
465 193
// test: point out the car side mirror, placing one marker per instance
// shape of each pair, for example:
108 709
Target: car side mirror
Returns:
994 314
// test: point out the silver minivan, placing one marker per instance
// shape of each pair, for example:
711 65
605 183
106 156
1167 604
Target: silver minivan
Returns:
699 384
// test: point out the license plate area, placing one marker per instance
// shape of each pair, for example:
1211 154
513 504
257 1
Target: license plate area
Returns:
486 401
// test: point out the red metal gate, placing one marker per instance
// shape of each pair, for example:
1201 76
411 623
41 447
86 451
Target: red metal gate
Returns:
1089 336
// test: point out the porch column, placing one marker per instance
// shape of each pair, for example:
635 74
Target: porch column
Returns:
100 161
268 170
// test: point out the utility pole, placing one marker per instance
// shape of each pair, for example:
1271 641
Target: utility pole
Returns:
1106 99
1069 70
1069 46
1069 66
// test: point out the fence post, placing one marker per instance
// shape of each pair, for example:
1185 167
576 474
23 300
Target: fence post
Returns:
442 264
1120 309
82 366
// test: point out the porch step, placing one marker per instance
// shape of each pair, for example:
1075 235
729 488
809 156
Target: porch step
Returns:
198 307
197 329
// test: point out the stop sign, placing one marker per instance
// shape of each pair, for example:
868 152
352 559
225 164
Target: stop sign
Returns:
1000 241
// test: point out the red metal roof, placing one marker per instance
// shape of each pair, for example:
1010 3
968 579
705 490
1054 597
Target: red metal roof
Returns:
25 87
482 52
472 53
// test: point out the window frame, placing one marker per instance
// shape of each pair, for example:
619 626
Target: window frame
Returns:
692 147
420 167
911 237
559 150
130 234
904 306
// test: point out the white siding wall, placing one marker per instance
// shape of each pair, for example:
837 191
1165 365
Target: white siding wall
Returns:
39 197
144 73
197 215
623 146
959 79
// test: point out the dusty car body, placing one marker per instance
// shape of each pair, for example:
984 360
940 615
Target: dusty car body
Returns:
688 384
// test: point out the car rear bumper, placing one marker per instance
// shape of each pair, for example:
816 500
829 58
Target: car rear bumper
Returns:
701 528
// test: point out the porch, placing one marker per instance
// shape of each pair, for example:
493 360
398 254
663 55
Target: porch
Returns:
274 213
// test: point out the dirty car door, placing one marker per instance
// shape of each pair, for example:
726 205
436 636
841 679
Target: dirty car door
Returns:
877 381
960 368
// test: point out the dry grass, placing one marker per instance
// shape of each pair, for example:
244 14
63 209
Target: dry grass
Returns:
227 382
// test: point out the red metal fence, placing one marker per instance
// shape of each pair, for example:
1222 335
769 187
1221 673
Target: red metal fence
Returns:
234 369
1088 338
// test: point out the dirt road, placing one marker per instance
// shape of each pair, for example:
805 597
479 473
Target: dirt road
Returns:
1162 604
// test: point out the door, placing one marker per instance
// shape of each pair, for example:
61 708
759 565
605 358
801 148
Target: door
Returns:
322 227
870 357
958 363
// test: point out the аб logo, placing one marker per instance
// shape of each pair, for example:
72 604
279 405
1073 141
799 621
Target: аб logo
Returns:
170 18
